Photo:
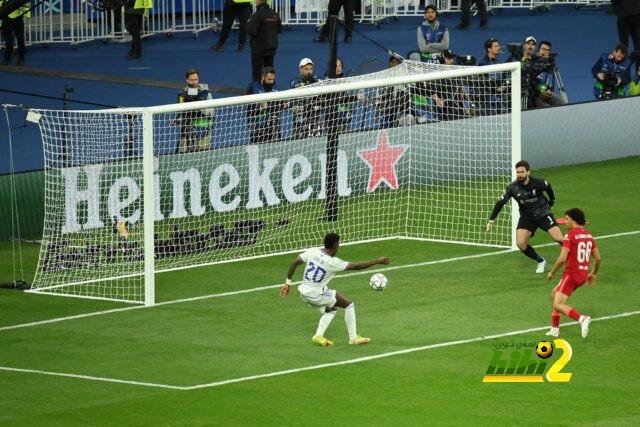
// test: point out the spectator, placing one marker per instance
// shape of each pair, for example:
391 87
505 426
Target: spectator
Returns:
628 13
612 72
263 27
240 9
544 95
134 13
195 125
334 8
433 37
12 25
307 112
264 117
465 16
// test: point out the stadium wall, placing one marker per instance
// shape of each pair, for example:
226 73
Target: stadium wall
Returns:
581 133
550 137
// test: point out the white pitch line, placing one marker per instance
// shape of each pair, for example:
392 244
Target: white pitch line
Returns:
263 288
307 368
91 378
394 353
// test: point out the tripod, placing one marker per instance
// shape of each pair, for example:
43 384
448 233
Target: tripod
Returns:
560 85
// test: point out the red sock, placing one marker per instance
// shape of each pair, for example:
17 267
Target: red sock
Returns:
555 319
573 314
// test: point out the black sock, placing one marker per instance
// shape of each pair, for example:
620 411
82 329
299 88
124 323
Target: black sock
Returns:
531 253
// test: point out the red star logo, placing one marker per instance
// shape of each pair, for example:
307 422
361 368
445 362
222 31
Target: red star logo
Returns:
382 162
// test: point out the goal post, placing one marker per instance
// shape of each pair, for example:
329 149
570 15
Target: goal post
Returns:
424 152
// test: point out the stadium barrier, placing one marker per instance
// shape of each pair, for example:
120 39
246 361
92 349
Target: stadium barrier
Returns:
80 21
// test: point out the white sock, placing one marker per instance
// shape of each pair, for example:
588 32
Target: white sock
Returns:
350 320
324 323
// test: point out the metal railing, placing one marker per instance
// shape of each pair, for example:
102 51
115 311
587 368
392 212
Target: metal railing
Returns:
82 22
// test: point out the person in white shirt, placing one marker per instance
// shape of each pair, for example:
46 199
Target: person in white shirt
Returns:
321 265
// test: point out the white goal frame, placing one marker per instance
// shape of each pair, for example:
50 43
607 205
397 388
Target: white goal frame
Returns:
148 114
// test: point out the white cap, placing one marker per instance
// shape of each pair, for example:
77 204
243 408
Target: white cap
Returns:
530 38
305 61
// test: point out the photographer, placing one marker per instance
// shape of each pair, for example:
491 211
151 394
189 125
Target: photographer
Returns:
634 88
307 112
530 68
393 104
518 52
544 83
496 98
612 72
195 126
264 117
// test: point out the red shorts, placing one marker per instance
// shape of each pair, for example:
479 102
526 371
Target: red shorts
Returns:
568 284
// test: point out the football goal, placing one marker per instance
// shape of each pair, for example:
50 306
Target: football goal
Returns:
416 151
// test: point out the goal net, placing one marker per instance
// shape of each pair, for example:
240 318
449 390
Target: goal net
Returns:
419 151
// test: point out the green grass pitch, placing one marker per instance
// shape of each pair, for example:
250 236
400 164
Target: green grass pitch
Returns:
172 359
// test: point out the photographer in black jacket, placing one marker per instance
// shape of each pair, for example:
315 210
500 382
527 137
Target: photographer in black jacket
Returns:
263 27
195 125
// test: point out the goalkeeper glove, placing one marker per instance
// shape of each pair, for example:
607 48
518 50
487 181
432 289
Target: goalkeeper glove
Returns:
489 225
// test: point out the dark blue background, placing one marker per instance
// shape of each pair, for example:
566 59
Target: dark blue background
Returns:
579 36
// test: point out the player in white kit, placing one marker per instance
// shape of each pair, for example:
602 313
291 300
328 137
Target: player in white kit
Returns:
321 265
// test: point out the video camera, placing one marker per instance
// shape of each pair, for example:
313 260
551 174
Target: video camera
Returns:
534 65
468 60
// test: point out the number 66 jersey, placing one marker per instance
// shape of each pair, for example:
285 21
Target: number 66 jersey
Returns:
319 270
580 243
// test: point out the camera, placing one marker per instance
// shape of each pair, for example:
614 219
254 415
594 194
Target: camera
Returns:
466 60
609 86
191 94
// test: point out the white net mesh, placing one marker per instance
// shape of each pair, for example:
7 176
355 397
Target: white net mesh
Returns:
422 160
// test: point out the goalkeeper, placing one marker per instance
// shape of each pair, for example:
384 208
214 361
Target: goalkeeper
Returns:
535 211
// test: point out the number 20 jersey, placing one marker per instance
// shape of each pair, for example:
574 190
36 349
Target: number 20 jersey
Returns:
580 243
320 269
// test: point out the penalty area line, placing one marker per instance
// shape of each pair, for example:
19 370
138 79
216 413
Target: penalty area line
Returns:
90 378
394 353
268 287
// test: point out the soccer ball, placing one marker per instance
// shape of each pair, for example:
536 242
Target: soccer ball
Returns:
544 349
378 282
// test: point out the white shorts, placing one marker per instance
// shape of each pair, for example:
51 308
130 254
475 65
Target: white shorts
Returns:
326 299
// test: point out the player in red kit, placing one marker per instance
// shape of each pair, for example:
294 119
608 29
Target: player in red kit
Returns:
577 248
